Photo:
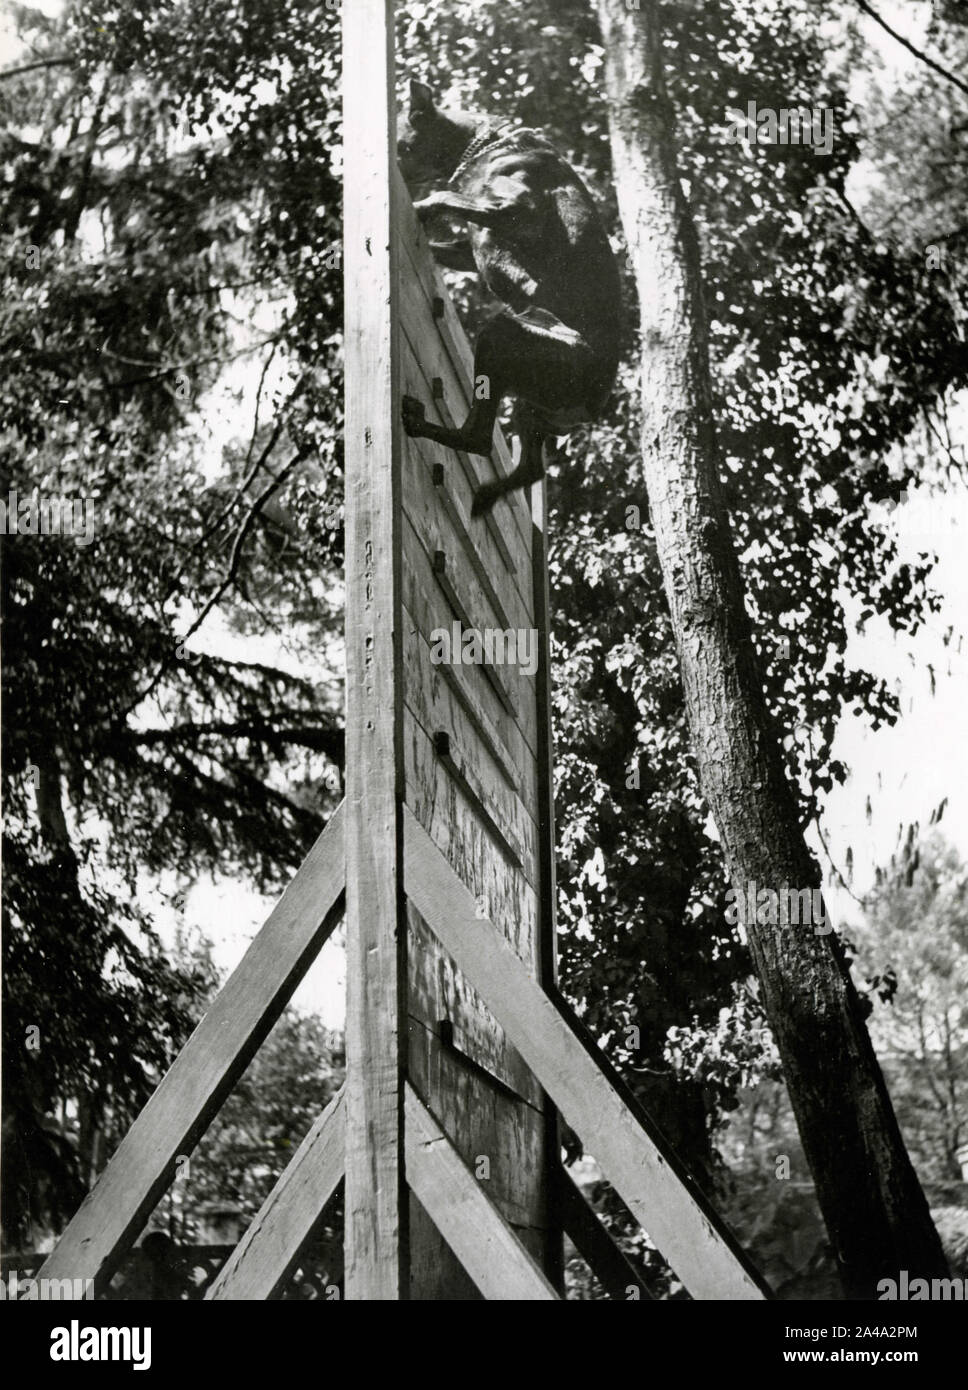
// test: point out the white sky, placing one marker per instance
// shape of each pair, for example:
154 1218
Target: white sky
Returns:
908 769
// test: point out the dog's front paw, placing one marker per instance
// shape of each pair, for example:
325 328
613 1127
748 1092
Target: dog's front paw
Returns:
412 414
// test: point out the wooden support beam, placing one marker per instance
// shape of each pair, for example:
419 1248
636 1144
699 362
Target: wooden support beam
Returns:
445 751
112 1215
617 1275
443 577
482 728
547 928
472 1226
438 473
633 1156
265 1257
376 1207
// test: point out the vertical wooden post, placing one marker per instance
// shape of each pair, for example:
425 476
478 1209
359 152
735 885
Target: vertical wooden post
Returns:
548 935
376 1207
554 1259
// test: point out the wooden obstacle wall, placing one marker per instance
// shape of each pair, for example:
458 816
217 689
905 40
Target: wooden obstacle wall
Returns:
472 735
470 742
449 827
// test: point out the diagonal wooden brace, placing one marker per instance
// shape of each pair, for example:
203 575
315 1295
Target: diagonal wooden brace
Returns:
464 1215
268 1252
108 1221
635 1159
617 1275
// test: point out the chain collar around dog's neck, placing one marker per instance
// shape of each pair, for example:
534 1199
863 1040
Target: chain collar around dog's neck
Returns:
492 132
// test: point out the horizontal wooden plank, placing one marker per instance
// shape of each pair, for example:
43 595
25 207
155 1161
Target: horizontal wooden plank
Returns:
479 795
484 1120
456 1202
439 994
219 1050
654 1186
426 610
265 1257
504 891
427 601
441 698
447 500
453 582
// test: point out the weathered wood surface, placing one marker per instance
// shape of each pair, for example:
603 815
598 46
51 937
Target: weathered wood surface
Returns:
444 994
433 506
471 774
269 1251
441 698
112 1215
606 1261
457 358
512 691
428 611
460 1208
489 1119
376 1205
502 891
461 774
633 1157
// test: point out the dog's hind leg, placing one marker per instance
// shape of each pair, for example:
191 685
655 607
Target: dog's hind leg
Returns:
530 469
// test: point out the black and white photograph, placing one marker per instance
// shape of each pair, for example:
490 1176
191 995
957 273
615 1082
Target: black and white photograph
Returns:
483 535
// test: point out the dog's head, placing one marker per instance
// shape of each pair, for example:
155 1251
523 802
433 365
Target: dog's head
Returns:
431 141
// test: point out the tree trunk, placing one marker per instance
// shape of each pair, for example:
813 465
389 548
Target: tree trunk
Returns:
873 1206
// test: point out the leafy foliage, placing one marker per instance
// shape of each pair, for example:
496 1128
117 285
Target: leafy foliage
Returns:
910 947
833 363
161 228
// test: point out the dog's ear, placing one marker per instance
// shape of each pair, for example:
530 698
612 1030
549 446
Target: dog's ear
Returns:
421 102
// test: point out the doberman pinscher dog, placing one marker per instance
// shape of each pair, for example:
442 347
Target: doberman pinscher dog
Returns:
537 241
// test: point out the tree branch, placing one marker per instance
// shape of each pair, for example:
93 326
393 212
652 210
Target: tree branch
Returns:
234 562
240 491
321 738
906 43
32 67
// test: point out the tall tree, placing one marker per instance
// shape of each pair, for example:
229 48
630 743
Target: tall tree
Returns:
872 1203
170 213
